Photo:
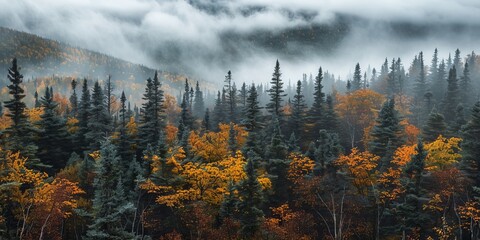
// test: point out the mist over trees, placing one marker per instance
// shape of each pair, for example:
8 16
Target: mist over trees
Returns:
392 152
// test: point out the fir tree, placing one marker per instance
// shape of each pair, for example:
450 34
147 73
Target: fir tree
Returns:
152 119
110 205
457 60
297 119
242 96
410 211
251 112
277 165
316 111
206 121
330 119
387 132
451 100
326 152
124 141
218 112
434 127
199 105
230 97
186 121
99 120
37 102
276 93
83 117
420 83
249 206
73 99
471 146
357 78
466 86
438 83
20 133
53 144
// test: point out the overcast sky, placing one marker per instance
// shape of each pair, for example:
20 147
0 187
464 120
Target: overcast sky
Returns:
189 36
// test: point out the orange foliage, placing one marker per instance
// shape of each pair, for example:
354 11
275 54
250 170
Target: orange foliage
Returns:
287 224
299 167
171 132
360 166
34 114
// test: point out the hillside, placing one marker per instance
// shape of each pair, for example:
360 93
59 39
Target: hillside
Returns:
49 62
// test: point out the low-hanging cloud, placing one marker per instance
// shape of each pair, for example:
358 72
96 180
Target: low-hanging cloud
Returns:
208 37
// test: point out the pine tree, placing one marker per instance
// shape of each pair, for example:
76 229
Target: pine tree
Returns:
276 93
434 67
73 99
186 121
108 95
251 112
471 146
230 97
438 84
434 127
451 100
199 105
110 204
297 119
232 141
124 141
218 112
99 121
387 132
330 119
53 143
316 111
326 152
20 133
457 60
249 205
83 118
420 83
410 211
357 78
460 121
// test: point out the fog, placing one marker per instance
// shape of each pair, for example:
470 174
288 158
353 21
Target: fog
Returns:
206 38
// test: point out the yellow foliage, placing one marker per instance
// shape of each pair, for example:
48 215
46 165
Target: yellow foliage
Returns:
299 167
34 114
442 153
72 125
132 128
213 146
360 166
5 122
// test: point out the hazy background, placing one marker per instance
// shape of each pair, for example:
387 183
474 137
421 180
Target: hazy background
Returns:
206 38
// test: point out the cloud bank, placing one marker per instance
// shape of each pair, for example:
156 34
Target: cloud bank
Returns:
207 38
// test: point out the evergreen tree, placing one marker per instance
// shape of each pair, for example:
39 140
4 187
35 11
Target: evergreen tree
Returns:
110 205
108 95
73 99
230 97
451 100
457 60
387 133
199 106
460 120
251 112
330 118
434 127
99 120
152 119
471 146
83 117
278 164
53 144
434 67
316 112
186 121
466 86
357 78
124 141
438 84
326 152
206 121
420 83
218 112
297 119
232 141
249 206
242 96
276 93
20 133
37 102
410 211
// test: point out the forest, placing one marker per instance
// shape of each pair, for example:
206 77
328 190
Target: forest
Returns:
392 153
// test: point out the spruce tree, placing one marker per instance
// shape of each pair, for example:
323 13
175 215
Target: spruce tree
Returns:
206 121
124 141
297 119
387 132
242 96
74 99
457 60
185 123
434 127
110 205
325 152
83 118
330 119
420 83
357 78
410 211
276 93
316 111
199 105
53 143
438 83
219 114
20 133
152 119
471 146
451 100
466 86
251 121
249 205
99 120
230 97
277 166
37 102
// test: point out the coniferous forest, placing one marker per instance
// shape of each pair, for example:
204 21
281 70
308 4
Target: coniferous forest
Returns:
394 156
239 120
